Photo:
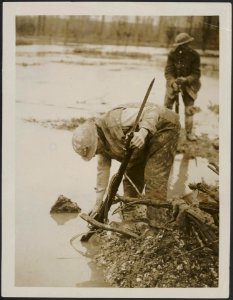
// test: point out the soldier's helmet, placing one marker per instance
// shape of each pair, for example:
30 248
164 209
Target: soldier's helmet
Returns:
85 140
182 38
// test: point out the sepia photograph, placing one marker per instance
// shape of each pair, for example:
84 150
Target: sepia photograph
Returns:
116 149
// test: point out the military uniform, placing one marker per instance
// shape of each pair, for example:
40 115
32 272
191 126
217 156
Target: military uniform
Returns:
183 62
150 165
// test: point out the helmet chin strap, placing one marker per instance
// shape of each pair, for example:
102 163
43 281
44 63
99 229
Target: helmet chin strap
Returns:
99 145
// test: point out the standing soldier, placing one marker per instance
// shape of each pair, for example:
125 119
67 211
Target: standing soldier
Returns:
183 73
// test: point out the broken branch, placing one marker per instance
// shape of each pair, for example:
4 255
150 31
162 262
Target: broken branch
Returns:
102 226
143 201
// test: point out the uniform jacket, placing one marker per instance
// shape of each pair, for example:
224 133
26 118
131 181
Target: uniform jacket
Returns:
186 63
114 125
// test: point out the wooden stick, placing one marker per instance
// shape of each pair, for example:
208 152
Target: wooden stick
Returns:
213 169
107 227
147 202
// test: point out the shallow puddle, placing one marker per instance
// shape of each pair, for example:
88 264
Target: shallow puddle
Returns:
185 171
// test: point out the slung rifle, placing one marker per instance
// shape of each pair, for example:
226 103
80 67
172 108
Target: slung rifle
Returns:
102 214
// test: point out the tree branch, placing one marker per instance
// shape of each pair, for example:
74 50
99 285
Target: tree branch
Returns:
143 201
107 227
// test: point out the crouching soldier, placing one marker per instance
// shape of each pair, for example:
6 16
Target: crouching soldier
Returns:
182 73
154 143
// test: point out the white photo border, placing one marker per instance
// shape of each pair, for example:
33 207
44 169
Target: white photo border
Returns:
13 9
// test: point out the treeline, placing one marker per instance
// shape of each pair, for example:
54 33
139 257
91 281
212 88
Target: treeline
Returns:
120 30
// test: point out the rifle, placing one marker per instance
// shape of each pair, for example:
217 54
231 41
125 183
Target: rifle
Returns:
177 104
102 214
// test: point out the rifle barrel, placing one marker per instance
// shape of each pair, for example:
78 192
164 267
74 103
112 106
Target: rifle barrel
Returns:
143 104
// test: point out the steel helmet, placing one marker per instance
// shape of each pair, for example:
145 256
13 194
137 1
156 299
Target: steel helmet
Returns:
85 140
182 38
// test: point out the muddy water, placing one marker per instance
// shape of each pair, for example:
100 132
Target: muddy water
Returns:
44 256
185 171
58 86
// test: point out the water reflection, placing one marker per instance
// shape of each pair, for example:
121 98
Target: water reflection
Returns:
61 219
179 186
185 171
96 279
89 250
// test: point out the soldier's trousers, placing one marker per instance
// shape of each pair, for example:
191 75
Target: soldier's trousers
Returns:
152 172
188 102
171 99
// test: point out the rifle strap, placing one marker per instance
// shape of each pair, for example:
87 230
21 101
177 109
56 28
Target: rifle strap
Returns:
102 137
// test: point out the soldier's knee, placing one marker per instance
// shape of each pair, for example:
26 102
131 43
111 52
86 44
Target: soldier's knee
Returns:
189 110
168 103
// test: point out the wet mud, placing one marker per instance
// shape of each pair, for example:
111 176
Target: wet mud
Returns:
168 258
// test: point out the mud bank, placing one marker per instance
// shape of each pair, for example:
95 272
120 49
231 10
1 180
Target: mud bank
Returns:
169 258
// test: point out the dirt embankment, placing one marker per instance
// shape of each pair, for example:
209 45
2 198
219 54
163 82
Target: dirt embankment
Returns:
169 258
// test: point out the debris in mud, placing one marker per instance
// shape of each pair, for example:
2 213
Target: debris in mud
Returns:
206 189
215 143
169 258
64 205
214 108
110 54
172 256
59 124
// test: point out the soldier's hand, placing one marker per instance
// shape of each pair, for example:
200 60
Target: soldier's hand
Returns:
95 209
175 87
138 139
181 80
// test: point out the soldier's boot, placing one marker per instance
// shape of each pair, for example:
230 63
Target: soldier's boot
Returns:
189 124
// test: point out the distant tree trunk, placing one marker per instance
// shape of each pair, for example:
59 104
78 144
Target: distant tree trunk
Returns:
170 35
206 31
101 30
66 35
190 20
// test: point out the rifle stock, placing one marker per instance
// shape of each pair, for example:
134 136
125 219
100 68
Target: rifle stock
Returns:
102 214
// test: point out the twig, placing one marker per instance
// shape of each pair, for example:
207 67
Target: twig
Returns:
74 238
213 169
107 227
197 237
133 185
198 248
78 235
131 201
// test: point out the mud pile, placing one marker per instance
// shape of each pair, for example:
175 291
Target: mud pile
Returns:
168 258
64 205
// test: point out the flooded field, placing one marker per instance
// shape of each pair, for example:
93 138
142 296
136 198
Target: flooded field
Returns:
52 83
